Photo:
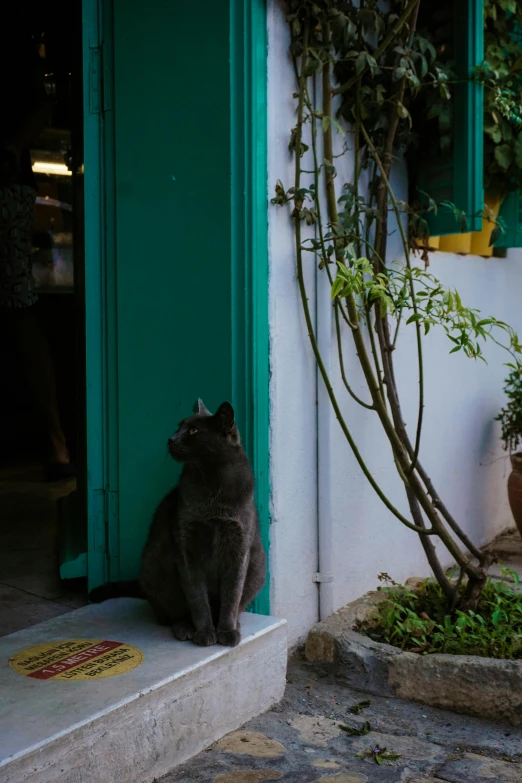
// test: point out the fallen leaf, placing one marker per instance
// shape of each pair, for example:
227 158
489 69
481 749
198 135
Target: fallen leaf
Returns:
354 732
356 709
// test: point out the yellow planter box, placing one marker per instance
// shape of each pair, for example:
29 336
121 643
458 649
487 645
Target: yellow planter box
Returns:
456 243
480 239
432 243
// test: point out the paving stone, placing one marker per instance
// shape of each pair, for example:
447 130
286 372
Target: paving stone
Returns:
248 776
415 753
309 716
344 777
251 743
416 779
315 729
475 769
326 764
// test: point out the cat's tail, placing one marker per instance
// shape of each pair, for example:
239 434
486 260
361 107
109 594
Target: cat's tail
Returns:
116 590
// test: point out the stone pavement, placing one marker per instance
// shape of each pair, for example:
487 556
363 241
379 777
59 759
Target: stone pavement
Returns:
301 741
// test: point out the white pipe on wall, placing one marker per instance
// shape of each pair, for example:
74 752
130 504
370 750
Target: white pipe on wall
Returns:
324 332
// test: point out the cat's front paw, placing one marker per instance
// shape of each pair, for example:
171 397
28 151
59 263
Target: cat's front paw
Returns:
229 638
183 630
204 638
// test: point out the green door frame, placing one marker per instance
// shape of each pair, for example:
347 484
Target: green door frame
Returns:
249 259
99 293
248 63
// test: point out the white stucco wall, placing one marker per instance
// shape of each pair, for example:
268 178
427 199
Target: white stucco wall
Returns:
461 449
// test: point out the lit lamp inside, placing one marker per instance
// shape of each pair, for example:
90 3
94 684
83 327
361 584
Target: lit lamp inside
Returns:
45 167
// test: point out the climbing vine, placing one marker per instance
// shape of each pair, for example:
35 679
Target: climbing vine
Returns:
361 75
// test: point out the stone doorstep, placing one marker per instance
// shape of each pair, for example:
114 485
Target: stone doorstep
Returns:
469 684
135 726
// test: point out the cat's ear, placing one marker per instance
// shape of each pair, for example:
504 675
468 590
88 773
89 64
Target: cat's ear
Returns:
201 409
225 414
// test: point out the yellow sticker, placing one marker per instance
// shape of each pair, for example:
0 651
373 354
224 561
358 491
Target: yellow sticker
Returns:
76 659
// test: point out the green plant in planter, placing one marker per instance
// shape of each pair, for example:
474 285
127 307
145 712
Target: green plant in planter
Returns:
510 417
418 620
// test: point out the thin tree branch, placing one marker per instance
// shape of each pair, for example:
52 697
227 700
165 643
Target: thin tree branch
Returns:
306 309
341 362
407 476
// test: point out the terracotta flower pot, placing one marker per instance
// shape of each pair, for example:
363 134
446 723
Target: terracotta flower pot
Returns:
515 489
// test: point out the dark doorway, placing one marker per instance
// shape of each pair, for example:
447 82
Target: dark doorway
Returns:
42 512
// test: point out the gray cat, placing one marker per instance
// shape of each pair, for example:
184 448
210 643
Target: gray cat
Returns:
204 562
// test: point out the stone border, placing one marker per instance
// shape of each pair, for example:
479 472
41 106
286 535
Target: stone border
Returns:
487 687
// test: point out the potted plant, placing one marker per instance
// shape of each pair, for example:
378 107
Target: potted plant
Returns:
501 74
510 419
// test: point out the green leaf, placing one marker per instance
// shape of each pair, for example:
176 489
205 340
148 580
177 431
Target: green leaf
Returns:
380 91
353 732
494 132
356 709
518 151
458 300
495 235
504 156
433 111
403 112
372 63
445 118
339 128
360 63
444 92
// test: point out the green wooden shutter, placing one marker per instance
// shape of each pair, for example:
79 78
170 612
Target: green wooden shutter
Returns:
511 214
458 177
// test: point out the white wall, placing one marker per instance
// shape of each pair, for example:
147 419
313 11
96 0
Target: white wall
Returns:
293 458
461 449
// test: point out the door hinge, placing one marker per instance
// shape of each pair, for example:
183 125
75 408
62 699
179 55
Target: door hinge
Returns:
100 81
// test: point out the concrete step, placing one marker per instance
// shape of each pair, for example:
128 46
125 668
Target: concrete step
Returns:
136 725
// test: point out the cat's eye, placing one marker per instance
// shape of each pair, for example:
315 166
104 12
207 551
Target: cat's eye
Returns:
192 431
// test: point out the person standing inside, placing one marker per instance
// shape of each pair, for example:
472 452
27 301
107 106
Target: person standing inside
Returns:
24 115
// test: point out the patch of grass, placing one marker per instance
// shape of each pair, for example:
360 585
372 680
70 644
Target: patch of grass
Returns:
420 621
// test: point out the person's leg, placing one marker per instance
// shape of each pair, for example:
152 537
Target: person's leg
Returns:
17 295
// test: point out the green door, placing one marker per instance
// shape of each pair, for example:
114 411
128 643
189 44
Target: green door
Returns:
175 270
